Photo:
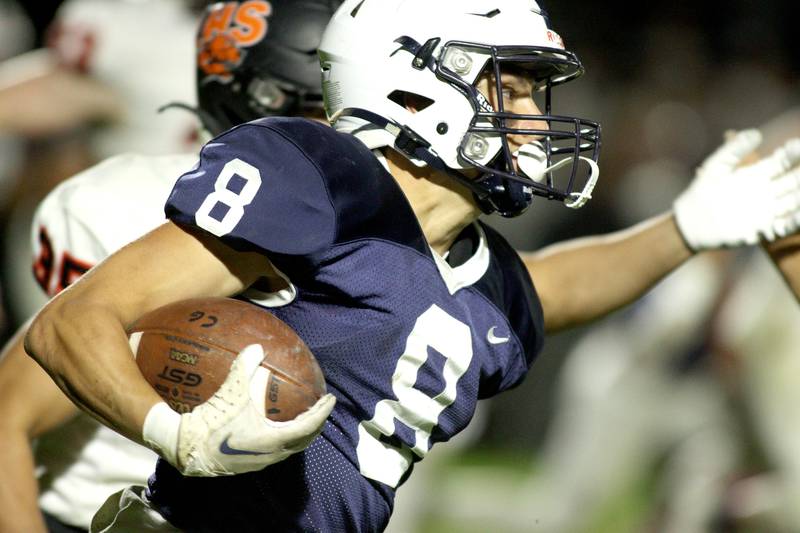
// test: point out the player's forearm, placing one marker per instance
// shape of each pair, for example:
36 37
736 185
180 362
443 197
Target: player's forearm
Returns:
85 350
785 253
28 397
30 404
19 506
79 337
585 279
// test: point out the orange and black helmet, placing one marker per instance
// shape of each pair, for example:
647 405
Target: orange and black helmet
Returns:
259 58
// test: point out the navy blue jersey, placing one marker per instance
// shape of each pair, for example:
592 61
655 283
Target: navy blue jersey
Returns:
407 342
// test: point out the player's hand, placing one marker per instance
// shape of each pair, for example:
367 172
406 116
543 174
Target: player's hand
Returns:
727 205
230 434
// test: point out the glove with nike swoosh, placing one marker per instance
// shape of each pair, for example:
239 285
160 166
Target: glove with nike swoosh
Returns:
229 434
731 205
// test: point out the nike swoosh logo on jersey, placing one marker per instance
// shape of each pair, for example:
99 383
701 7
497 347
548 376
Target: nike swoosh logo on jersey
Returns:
494 339
226 449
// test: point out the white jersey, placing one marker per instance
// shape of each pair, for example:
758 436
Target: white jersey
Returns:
82 221
145 51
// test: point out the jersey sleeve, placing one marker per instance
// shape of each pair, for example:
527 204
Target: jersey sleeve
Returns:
99 210
256 189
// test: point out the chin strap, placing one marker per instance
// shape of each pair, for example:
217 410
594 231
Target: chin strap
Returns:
536 171
578 199
532 161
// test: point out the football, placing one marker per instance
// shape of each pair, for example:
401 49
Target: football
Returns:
185 350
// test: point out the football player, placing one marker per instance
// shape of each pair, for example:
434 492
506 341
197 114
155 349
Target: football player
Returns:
107 206
413 308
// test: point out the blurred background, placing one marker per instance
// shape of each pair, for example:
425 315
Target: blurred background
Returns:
677 414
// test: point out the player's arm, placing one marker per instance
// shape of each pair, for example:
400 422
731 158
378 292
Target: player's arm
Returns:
785 253
38 97
584 279
30 405
79 338
724 206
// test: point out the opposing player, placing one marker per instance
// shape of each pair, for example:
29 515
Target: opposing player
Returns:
658 369
413 308
93 92
107 206
98 68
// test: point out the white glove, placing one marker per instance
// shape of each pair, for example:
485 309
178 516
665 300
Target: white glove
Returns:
230 433
728 206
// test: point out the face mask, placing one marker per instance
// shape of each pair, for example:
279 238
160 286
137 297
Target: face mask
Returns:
532 162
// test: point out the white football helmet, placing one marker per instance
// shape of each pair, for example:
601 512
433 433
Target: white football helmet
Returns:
375 53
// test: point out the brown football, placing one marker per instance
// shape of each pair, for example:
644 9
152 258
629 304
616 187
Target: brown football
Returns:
185 350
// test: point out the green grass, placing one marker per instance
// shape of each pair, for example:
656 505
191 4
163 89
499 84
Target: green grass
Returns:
463 487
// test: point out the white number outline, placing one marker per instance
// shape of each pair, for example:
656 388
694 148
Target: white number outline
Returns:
236 202
436 329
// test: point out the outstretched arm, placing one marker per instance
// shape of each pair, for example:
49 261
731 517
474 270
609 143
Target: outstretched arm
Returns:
30 405
724 206
585 279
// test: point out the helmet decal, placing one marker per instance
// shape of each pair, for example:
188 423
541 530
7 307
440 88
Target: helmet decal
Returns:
258 58
225 36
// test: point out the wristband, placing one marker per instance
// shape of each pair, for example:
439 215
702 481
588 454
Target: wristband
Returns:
160 431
